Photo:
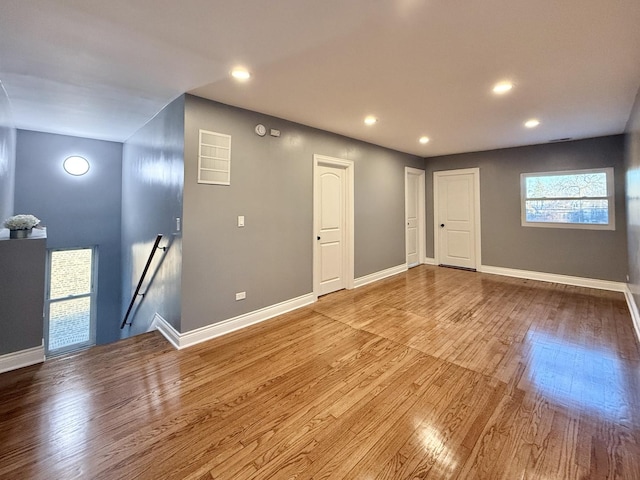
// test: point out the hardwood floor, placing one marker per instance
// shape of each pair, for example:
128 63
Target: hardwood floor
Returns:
436 373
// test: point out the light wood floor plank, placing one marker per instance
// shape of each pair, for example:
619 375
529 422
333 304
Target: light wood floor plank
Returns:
435 373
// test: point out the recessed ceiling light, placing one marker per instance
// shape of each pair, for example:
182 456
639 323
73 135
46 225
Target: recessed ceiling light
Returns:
502 88
533 123
424 140
370 120
240 73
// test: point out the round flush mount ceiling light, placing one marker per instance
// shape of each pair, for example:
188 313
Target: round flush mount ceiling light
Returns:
370 120
533 123
76 166
240 73
424 140
502 87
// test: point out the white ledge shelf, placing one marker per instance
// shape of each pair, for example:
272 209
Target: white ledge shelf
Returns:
37 233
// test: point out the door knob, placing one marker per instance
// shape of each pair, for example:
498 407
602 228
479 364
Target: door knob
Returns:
442 225
318 237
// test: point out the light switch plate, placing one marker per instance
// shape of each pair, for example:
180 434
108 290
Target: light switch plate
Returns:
241 220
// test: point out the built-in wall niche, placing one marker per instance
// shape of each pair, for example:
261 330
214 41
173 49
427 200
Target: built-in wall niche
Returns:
214 158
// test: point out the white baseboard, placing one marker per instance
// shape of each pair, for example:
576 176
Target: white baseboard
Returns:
556 278
374 277
166 329
187 339
633 309
429 261
23 358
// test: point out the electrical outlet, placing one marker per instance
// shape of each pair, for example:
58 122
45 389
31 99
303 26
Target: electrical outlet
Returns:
241 295
178 224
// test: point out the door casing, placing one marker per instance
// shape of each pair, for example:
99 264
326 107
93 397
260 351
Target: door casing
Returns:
348 257
420 213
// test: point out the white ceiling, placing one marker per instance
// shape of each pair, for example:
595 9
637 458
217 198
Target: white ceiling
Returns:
425 67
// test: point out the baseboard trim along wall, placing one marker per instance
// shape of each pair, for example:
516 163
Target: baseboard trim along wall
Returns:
374 277
429 261
23 358
633 309
556 278
193 337
166 329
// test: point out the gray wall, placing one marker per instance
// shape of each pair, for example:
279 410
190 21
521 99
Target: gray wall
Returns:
632 162
7 157
152 184
595 254
272 186
22 263
78 211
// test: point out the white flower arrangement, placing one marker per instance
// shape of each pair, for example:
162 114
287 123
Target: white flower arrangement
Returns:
21 222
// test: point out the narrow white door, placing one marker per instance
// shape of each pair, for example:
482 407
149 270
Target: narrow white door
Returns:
330 184
456 222
414 213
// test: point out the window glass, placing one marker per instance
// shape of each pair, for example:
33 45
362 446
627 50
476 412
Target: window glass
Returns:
576 199
69 310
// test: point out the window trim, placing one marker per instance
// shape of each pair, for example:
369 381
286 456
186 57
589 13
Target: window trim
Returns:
608 171
93 296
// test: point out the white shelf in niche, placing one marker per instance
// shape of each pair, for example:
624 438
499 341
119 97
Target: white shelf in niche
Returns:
214 158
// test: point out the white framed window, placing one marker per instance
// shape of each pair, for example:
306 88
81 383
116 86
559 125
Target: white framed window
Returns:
214 158
569 199
70 299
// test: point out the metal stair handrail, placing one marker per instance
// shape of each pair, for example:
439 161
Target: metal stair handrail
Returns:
144 273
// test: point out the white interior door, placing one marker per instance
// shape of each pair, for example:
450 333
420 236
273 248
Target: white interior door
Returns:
414 212
457 217
333 218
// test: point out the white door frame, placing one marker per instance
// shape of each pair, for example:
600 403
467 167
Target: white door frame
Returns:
422 235
348 166
476 187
